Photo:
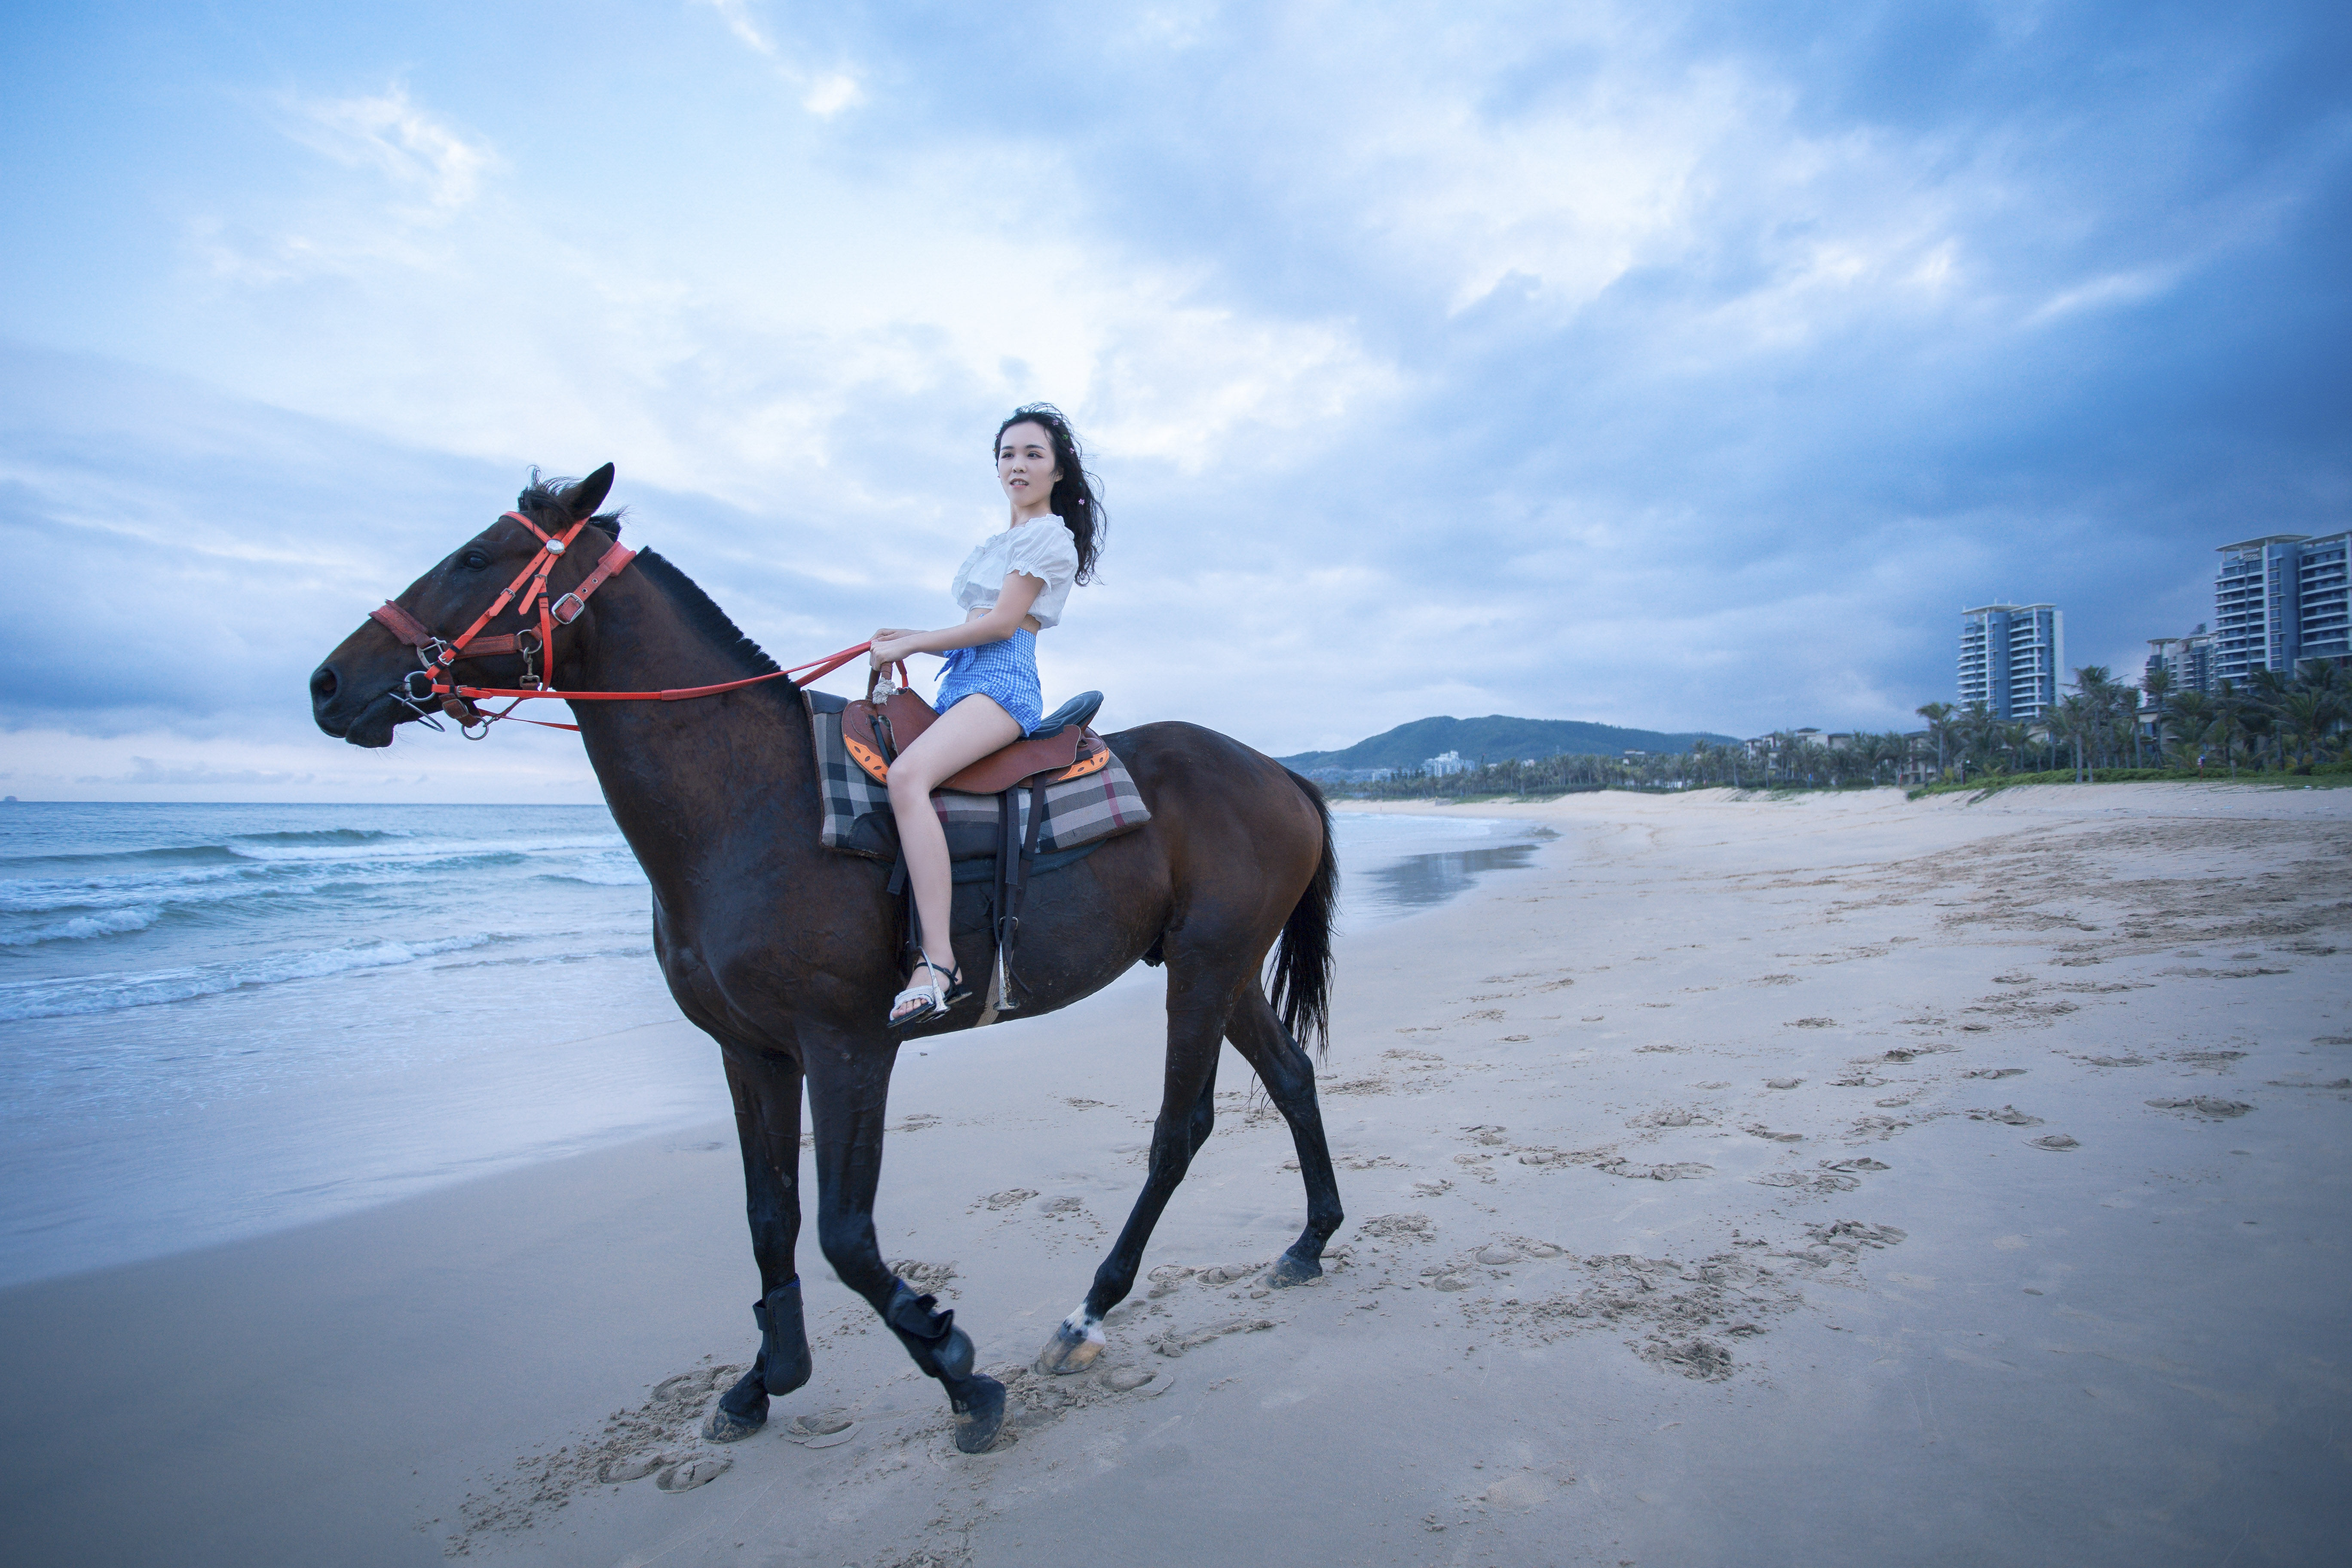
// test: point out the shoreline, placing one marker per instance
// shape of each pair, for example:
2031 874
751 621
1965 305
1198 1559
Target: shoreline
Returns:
1710 1292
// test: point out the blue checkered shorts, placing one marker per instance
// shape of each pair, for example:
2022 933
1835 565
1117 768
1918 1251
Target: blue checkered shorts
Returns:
1005 672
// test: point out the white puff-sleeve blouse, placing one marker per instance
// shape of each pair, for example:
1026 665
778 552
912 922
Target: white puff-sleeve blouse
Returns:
1040 548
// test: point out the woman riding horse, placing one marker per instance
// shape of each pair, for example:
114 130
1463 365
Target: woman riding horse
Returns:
1012 586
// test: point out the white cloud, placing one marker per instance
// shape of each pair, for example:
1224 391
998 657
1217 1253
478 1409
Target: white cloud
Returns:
737 15
432 166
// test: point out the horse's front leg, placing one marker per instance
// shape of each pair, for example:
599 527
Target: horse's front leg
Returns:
766 1088
1197 1004
849 1085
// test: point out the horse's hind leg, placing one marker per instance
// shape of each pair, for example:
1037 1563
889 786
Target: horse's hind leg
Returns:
849 1084
1289 1079
1187 1111
766 1088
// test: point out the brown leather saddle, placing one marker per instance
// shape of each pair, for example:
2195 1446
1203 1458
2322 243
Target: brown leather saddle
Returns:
876 731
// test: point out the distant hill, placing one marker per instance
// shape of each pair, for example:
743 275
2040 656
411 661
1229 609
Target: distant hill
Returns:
1496 738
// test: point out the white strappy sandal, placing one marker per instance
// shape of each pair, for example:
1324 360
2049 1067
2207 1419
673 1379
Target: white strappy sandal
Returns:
936 998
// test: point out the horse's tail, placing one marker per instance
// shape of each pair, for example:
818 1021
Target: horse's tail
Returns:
1301 992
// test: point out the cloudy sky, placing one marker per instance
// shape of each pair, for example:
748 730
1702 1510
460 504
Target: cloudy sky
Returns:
1685 367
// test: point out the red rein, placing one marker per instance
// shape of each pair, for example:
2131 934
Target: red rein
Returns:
439 658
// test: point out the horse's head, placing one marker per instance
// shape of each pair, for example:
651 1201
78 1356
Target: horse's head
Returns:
380 678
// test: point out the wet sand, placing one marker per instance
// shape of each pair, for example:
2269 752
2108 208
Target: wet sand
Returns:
1824 1181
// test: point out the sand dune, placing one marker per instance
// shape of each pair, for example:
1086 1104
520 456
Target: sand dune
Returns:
1826 1180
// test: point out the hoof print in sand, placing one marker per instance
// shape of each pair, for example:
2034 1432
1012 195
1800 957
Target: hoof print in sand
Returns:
631 1467
1758 1129
1783 1082
700 1470
1681 1171
1994 1072
1228 1273
1701 1358
2054 1140
2206 1107
1863 1163
820 1423
2008 1114
1820 1184
1009 1197
1399 1226
925 1279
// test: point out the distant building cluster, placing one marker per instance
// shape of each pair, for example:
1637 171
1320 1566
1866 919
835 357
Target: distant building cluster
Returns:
2277 601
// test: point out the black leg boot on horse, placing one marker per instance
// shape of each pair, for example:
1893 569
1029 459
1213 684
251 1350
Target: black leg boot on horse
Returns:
785 953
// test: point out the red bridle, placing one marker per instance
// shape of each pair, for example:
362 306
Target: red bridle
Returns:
439 656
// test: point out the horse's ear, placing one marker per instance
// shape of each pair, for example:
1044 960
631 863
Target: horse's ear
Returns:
582 499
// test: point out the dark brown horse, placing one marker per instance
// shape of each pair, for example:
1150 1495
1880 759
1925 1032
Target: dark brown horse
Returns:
786 954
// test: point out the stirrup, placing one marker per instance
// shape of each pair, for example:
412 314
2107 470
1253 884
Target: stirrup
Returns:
935 998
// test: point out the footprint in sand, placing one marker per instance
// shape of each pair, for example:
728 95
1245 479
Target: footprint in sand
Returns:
1175 1342
2205 1107
1007 1198
1759 1131
2054 1140
2008 1114
1994 1072
1783 1082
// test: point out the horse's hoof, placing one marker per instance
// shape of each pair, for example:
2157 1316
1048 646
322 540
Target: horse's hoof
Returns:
1292 1269
1072 1349
726 1426
980 1413
741 1411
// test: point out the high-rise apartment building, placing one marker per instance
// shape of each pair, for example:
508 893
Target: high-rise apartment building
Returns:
2012 658
2278 600
2186 662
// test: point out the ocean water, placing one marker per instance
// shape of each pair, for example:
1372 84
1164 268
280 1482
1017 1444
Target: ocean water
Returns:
216 1020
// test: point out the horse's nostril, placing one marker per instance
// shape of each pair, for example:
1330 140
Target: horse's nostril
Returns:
322 683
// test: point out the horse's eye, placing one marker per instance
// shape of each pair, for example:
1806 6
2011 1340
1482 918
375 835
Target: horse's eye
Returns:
474 561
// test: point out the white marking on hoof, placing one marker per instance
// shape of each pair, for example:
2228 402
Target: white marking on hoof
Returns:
1075 1345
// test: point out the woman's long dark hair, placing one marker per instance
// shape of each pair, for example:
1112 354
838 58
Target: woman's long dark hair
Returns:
1075 501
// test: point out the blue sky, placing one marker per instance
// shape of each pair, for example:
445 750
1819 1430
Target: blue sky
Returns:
1678 367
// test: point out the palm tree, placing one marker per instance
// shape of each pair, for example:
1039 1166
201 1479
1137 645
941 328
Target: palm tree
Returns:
2325 680
2189 721
2267 690
2156 688
1939 728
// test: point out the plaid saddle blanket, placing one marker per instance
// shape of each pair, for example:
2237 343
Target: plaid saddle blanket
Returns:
857 819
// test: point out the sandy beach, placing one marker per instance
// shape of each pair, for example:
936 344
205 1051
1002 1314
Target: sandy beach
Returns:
1823 1180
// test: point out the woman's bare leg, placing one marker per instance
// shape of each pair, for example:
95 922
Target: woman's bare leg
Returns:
962 735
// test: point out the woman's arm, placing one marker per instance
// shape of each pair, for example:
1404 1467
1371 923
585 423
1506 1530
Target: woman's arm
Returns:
1013 600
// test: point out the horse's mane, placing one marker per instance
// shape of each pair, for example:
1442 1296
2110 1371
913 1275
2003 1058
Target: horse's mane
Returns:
700 612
